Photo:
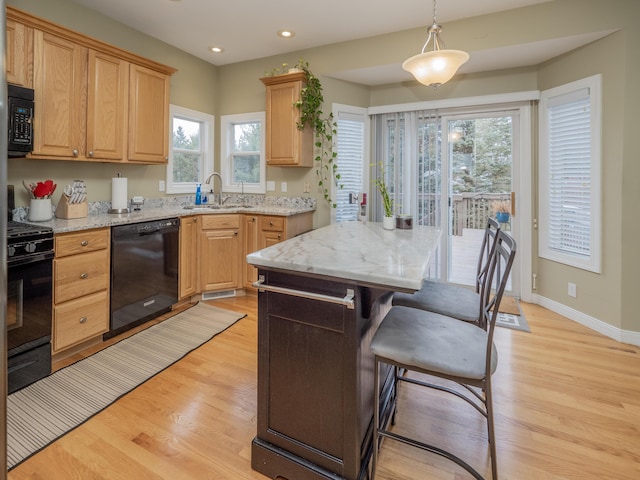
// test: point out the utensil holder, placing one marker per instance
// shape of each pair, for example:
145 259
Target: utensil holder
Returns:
39 210
71 210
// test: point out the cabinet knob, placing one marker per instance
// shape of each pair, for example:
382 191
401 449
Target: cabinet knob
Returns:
84 243
84 275
235 232
75 152
91 153
83 320
279 237
271 224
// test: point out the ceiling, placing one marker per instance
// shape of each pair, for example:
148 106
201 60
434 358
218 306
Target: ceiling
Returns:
246 29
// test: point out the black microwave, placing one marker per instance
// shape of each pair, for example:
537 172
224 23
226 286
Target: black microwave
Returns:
20 120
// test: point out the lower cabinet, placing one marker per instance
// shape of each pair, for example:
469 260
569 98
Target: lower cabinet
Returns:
80 287
219 252
188 270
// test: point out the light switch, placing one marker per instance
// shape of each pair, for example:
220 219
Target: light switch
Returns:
283 187
161 186
271 186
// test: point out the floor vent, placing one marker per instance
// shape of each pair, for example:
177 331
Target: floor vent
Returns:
214 295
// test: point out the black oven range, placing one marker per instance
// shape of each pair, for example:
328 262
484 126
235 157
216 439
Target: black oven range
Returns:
29 301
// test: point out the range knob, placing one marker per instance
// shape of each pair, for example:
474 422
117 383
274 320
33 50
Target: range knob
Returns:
12 251
30 247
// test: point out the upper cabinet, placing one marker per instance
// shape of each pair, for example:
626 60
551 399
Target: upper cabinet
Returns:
287 146
19 54
93 101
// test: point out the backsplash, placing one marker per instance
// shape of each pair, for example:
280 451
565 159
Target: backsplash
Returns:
103 207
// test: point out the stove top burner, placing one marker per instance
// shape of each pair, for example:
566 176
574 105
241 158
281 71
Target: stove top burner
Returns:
17 230
26 242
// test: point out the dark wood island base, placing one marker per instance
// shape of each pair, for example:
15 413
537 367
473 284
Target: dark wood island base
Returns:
315 376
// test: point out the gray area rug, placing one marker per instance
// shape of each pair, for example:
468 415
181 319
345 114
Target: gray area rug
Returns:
43 411
509 318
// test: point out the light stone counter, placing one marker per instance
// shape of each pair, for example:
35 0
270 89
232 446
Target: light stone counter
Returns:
362 252
158 209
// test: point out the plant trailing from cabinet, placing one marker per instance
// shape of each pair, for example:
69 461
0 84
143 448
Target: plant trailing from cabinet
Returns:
324 129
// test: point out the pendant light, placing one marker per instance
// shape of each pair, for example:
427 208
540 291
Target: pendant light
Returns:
436 66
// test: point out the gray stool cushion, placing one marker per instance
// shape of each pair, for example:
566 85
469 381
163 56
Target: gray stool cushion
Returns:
432 342
457 302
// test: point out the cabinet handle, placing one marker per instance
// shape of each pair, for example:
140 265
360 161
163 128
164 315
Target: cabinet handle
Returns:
253 219
84 275
75 152
235 232
83 320
91 153
84 243
279 237
195 220
271 224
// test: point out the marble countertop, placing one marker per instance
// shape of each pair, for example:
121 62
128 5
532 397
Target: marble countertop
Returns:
103 219
357 251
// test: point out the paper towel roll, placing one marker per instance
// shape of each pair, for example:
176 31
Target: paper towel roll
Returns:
118 193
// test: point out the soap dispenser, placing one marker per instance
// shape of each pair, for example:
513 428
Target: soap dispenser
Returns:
198 194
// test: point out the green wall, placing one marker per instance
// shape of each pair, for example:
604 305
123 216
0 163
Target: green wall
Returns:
607 297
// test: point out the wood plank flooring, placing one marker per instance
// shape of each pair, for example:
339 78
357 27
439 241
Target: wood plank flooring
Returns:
567 402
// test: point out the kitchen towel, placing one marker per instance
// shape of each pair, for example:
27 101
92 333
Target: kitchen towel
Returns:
118 193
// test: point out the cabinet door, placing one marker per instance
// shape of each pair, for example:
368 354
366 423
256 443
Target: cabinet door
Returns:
19 58
60 83
107 104
188 259
250 246
268 238
148 115
286 145
219 259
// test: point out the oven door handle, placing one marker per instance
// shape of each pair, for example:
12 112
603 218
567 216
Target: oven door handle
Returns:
29 259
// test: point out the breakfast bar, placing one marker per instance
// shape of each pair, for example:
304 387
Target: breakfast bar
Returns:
321 298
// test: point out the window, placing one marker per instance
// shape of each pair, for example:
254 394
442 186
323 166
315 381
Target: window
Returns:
242 153
190 151
350 146
569 183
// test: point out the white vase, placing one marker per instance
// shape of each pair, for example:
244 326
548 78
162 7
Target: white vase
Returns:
40 210
389 223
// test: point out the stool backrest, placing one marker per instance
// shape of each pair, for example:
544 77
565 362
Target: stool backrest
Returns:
486 249
498 269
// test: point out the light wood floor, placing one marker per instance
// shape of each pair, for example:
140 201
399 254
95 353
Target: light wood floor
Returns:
567 401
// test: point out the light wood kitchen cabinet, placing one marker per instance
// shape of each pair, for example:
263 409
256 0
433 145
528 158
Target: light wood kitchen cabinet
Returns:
262 231
94 102
19 54
219 250
60 83
188 276
81 276
286 145
148 115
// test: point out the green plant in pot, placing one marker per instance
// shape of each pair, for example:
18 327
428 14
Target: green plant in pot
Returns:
324 128
387 201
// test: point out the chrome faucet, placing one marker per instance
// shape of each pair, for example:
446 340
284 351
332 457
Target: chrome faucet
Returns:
209 179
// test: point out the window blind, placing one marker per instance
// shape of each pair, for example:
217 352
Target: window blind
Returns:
350 143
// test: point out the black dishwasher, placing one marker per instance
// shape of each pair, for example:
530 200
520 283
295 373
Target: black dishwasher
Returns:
144 272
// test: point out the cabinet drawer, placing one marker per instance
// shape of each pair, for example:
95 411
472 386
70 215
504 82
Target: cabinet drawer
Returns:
86 241
79 320
80 275
272 224
211 222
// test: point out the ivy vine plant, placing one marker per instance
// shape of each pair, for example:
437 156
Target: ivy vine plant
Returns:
324 129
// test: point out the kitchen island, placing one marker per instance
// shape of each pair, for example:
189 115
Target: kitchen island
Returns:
321 298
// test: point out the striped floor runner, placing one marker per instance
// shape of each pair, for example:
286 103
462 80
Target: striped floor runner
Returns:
40 413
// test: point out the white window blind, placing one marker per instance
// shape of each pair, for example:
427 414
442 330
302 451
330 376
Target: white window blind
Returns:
350 147
570 176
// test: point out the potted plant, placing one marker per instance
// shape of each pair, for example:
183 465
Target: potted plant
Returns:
502 209
388 220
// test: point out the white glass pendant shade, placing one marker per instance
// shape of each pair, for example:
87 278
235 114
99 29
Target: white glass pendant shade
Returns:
435 67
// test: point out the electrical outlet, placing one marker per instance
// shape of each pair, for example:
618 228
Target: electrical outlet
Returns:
572 290
283 187
161 186
307 187
271 186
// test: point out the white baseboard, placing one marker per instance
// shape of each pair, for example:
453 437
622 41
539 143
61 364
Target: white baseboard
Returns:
624 336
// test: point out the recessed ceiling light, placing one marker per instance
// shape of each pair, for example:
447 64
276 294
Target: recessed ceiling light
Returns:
286 33
216 49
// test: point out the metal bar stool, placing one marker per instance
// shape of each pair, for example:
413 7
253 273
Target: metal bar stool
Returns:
417 340
452 300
